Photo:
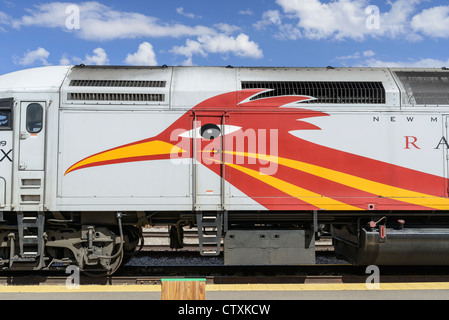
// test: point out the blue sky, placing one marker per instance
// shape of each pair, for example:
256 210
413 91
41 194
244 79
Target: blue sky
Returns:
292 33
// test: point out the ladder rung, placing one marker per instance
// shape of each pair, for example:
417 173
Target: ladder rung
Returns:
210 253
29 220
30 254
209 225
210 243
209 235
30 240
209 218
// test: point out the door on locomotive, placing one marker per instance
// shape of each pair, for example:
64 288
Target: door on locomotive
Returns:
32 136
208 144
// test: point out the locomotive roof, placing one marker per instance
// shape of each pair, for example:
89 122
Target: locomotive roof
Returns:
52 76
182 86
42 79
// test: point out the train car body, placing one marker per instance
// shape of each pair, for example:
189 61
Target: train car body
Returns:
91 154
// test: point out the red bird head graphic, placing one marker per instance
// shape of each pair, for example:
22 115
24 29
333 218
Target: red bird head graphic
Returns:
249 135
229 124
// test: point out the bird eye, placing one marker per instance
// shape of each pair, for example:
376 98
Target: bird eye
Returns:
210 131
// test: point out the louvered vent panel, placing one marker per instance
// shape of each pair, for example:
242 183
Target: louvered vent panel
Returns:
425 88
135 97
118 83
324 92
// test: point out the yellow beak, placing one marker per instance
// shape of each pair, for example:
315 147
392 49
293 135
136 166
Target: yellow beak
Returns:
139 151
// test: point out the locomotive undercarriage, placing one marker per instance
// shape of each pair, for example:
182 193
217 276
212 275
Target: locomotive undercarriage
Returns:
96 246
99 243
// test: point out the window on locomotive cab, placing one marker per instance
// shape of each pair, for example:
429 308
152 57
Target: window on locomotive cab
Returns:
6 116
35 118
5 119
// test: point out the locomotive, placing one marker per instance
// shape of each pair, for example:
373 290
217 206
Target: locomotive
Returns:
263 160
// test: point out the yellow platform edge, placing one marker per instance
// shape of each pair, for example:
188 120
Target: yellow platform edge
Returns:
233 287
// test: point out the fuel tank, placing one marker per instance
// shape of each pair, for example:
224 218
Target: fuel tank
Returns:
411 246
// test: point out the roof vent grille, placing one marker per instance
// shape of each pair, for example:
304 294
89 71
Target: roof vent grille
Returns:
324 92
135 97
119 83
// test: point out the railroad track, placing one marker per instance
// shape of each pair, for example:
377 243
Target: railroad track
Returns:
317 274
157 239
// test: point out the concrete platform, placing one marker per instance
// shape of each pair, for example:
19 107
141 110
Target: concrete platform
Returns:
254 292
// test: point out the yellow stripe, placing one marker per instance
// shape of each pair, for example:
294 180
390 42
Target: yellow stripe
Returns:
379 189
150 148
233 287
329 287
295 191
81 289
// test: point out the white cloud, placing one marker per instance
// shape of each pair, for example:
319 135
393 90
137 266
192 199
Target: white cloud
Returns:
32 57
396 22
98 58
339 20
247 12
144 56
9 4
368 59
433 22
410 63
99 22
240 46
358 55
65 60
191 48
181 11
269 17
47 15
274 17
4 18
369 53
227 28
